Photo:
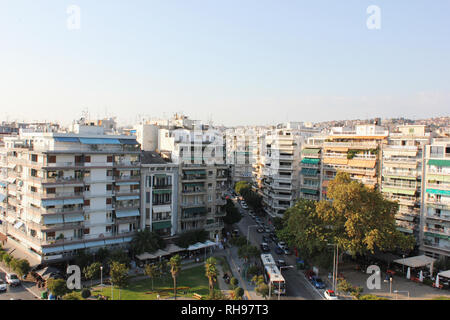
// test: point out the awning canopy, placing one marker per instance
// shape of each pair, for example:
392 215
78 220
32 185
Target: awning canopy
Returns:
136 197
310 161
127 213
161 225
160 209
437 191
416 262
127 183
2 197
18 225
161 253
67 139
439 163
95 243
309 172
128 141
310 151
445 274
53 219
172 248
99 141
146 256
77 217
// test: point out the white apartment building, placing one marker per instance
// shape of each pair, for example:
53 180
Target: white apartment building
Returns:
70 191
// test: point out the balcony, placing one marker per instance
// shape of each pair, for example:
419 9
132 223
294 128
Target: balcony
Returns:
123 178
214 226
162 186
439 186
438 217
61 195
437 231
194 191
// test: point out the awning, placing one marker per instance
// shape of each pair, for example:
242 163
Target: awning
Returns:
160 191
78 217
161 225
128 198
309 191
113 241
194 210
172 248
11 180
10 220
309 172
3 184
127 213
18 225
52 249
127 183
95 243
74 246
128 141
445 274
310 151
99 141
195 172
47 203
416 262
160 209
409 192
161 253
146 256
439 163
53 219
2 197
209 243
310 161
67 139
195 246
437 191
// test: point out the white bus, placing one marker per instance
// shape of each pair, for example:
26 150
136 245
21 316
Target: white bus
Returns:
272 275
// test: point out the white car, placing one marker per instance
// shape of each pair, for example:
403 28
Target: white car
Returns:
282 245
12 279
330 295
3 286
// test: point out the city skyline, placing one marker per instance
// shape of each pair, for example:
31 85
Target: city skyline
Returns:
262 64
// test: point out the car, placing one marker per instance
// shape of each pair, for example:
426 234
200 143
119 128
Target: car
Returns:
12 279
267 230
287 251
265 247
280 263
3 286
330 295
251 215
260 230
266 239
281 244
278 250
317 282
273 236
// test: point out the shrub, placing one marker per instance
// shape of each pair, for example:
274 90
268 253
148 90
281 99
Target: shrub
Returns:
71 296
85 293
238 293
234 282
252 271
371 297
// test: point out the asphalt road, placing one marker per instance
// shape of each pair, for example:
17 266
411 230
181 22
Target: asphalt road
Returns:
297 287
15 293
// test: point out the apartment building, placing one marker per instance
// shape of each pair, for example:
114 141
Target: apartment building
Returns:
402 174
71 191
159 197
356 151
240 143
202 199
436 199
311 168
280 166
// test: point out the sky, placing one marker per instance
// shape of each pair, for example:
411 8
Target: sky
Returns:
235 62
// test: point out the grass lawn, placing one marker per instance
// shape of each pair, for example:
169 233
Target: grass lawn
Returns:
194 278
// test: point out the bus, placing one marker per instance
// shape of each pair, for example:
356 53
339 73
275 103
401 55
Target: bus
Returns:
272 275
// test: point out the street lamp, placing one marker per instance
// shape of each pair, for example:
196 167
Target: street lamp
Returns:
390 284
279 282
335 263
101 276
397 291
248 231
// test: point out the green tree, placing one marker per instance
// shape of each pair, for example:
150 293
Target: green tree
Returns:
211 273
22 267
262 288
191 237
146 241
232 213
242 187
175 268
238 293
119 274
57 287
71 296
92 271
248 252
234 282
152 271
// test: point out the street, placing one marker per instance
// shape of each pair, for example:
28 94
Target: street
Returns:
297 287
15 293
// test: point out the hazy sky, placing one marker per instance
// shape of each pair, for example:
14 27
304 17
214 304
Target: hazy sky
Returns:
234 61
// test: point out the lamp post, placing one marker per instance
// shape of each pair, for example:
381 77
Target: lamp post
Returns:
403 264
397 291
279 282
335 264
248 231
101 276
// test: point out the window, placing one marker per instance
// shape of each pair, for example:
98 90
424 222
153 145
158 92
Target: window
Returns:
108 200
147 197
80 189
34 189
51 159
108 229
87 159
86 231
109 187
87 202
109 159
147 213
34 157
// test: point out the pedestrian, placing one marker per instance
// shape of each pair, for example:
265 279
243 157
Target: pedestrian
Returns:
239 270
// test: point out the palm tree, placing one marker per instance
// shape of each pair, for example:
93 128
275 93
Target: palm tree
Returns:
146 241
175 267
151 271
211 273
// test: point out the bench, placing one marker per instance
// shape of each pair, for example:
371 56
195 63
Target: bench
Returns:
197 296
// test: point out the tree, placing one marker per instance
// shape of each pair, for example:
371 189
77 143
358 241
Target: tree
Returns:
211 273
92 271
152 271
119 256
57 287
232 213
248 252
71 296
119 274
175 267
85 293
234 282
191 237
261 289
238 293
146 241
242 187
22 267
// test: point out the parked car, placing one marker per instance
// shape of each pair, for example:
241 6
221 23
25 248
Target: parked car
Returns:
265 247
267 230
282 245
266 239
287 251
278 250
260 230
273 236
280 263
12 279
3 286
317 282
330 295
